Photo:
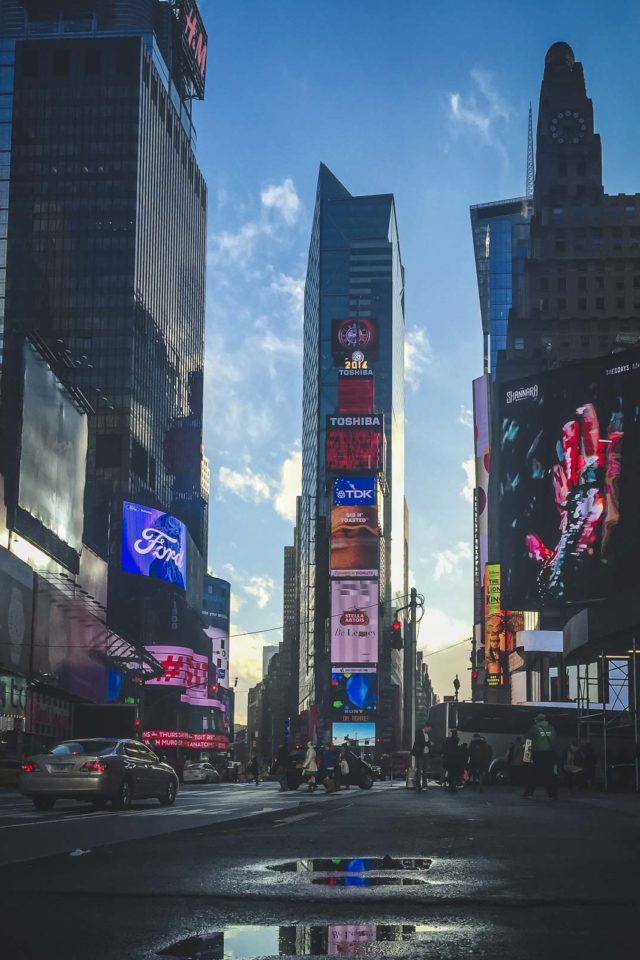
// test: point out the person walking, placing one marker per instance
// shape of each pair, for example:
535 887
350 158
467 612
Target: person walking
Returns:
282 767
453 760
573 765
480 754
544 740
420 751
254 770
310 767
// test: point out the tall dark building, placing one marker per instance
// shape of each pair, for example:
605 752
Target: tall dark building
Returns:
581 292
105 237
351 518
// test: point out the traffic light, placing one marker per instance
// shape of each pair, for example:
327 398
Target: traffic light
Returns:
395 632
213 688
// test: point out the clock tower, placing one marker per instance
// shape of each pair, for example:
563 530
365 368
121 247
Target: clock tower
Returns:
569 153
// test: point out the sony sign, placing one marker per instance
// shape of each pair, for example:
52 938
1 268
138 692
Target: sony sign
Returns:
354 490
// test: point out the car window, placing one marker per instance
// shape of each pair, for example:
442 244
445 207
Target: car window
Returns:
146 752
94 748
131 750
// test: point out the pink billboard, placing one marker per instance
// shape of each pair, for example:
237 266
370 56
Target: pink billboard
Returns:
481 387
354 621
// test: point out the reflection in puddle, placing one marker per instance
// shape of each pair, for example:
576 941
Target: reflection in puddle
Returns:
352 864
356 880
331 940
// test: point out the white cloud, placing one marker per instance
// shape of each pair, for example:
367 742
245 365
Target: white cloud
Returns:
465 417
234 247
277 346
469 468
283 198
247 485
418 355
293 289
261 588
289 488
482 112
448 561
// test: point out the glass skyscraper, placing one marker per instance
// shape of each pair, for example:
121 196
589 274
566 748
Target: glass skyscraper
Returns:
354 276
103 238
500 246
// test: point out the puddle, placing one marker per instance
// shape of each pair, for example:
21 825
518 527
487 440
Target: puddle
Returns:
352 864
330 940
358 880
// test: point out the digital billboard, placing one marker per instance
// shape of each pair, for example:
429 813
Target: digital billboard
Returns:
360 491
569 467
53 459
354 621
355 395
181 666
154 544
354 336
354 694
194 44
156 739
355 543
355 444
219 653
481 387
495 641
362 733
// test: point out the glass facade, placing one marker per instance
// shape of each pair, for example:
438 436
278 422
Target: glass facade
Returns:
354 270
501 245
106 245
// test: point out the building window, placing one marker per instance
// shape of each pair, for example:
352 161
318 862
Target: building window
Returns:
61 63
619 283
582 303
562 283
619 303
599 303
108 450
562 168
581 168
584 343
559 246
582 283
562 304
543 283
630 208
92 62
519 343
557 211
636 282
600 283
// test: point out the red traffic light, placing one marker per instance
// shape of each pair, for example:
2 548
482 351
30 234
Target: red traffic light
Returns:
396 626
474 674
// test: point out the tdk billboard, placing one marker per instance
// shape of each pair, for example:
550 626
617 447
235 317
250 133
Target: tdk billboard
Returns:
359 491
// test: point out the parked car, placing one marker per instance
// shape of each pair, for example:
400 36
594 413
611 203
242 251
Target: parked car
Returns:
98 771
200 772
361 774
9 772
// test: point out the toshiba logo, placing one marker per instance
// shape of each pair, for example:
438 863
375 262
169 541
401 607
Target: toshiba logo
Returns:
370 421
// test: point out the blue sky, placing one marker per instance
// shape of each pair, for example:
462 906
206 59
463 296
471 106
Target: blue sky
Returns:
427 100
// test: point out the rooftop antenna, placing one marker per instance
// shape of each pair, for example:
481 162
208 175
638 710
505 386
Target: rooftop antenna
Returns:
530 165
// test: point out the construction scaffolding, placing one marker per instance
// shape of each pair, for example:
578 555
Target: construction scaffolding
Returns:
608 711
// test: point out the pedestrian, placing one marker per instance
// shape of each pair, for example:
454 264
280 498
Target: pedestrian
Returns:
282 767
453 760
343 767
572 765
480 754
515 762
420 751
541 771
310 767
254 770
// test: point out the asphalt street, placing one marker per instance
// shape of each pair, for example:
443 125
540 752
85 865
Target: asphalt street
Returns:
499 876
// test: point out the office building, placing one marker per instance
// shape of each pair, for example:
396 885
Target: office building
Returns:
351 558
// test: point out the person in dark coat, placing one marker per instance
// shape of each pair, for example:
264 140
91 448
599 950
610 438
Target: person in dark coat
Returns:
480 754
254 770
453 759
282 767
542 771
420 750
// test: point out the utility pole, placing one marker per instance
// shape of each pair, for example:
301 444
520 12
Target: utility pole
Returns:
413 653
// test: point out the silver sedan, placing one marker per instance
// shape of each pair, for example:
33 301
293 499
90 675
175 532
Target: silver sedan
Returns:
98 771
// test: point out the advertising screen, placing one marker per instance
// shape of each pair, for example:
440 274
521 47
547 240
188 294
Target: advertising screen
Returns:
355 395
354 694
53 456
355 444
182 667
355 543
194 44
154 544
362 733
219 653
181 738
16 606
354 335
569 467
482 465
357 491
495 642
354 621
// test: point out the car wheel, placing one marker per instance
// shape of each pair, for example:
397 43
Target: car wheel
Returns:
125 796
168 798
367 782
43 803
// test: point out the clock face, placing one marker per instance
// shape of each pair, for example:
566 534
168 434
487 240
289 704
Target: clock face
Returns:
568 126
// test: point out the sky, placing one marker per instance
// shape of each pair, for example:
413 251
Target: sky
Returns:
424 99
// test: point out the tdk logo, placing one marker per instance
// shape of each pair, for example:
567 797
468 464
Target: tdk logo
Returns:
349 491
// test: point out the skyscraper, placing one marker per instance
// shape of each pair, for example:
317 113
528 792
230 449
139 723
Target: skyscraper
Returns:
351 518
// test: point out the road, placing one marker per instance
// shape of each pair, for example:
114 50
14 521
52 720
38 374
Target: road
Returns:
507 878
26 834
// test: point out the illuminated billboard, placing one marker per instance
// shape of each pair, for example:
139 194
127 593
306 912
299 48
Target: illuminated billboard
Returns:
355 395
181 666
355 444
568 473
359 491
495 643
53 462
219 637
354 694
354 336
363 733
194 44
154 544
354 621
355 543
481 387
156 739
